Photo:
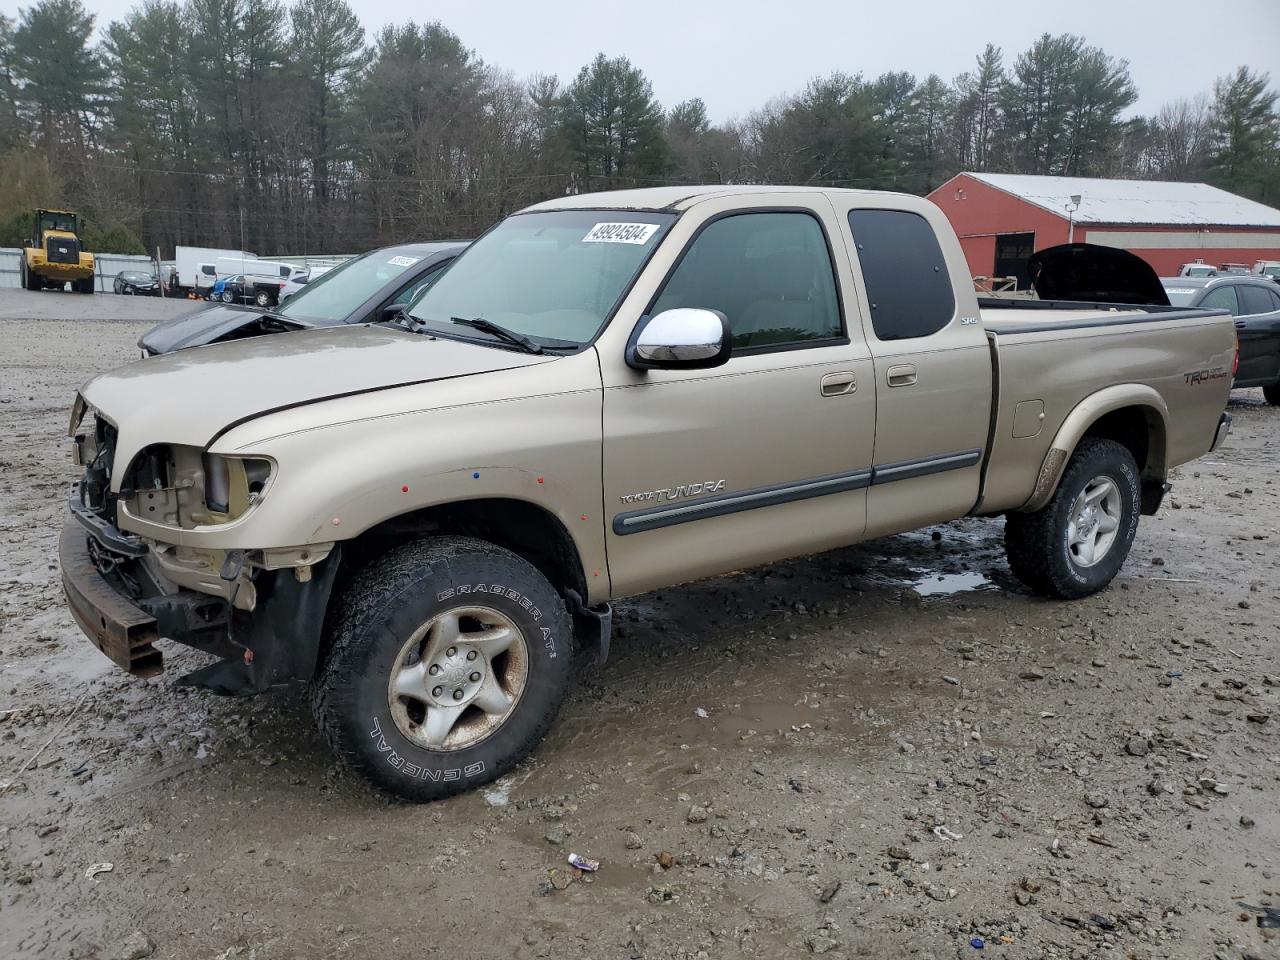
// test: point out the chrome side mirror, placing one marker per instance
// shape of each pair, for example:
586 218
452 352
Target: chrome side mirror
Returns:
684 338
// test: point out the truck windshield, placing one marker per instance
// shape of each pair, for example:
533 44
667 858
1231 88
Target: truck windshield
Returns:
553 277
334 294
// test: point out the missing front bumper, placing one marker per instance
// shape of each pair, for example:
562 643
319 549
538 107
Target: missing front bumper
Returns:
117 627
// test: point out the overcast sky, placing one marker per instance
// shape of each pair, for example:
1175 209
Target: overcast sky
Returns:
736 55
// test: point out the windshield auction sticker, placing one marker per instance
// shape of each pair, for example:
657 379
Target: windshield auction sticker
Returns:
620 233
403 261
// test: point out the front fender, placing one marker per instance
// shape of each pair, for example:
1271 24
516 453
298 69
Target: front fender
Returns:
333 482
1084 415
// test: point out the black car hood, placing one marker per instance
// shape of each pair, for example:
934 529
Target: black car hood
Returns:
211 324
1089 273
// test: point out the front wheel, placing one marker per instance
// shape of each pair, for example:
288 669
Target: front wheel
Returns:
448 661
227 297
1075 545
1272 393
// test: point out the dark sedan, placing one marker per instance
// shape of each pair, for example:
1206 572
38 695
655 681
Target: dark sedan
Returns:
364 289
1255 303
136 283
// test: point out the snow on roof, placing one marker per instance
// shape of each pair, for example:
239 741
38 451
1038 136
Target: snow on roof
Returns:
1136 201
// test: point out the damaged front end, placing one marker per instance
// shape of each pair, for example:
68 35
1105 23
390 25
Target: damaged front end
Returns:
261 612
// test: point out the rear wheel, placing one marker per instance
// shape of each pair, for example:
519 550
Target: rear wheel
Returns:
227 297
1076 544
1272 393
262 298
83 286
448 661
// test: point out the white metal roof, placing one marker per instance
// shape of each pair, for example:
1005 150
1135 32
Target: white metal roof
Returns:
1136 201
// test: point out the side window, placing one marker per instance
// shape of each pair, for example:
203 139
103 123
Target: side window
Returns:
1275 300
907 282
208 270
1254 299
1223 298
769 273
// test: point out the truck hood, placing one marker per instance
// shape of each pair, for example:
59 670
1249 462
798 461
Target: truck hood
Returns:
191 396
211 324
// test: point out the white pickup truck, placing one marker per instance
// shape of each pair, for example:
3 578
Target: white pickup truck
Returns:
426 519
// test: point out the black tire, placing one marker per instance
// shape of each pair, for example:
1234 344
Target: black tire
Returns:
227 296
83 286
1272 393
262 298
378 615
1040 554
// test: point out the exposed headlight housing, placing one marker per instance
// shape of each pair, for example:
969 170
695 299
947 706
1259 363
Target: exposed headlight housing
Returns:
185 487
233 484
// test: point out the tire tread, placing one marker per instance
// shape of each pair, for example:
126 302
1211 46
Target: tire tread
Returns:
1031 538
378 587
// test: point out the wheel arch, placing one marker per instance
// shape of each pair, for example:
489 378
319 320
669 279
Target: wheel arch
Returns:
527 529
1133 415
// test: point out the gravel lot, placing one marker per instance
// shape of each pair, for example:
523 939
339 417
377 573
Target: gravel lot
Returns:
889 750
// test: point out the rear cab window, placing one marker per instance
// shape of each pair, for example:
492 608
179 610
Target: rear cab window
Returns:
769 272
904 272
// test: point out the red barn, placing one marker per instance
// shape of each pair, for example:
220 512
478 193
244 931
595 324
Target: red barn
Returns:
1003 218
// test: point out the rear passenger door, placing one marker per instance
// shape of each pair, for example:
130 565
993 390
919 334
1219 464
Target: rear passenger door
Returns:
932 367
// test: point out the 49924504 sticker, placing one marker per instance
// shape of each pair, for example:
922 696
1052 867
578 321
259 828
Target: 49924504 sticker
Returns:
620 233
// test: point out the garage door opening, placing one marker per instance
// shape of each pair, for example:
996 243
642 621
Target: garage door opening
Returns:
1013 250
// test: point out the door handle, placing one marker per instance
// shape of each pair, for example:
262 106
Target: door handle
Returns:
838 384
901 375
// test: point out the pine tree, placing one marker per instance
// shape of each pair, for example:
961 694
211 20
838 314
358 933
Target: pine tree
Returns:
1246 134
613 126
60 77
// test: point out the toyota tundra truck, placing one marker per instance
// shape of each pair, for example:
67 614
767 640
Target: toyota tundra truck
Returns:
424 520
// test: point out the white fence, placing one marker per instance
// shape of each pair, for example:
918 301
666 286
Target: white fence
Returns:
105 265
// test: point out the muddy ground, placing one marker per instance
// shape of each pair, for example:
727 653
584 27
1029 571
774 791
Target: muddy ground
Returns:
889 750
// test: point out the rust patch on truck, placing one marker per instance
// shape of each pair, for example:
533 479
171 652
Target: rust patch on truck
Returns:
1050 471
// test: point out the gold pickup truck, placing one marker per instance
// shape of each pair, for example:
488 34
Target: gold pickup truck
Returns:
425 519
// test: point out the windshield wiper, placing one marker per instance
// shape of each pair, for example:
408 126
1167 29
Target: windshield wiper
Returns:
502 333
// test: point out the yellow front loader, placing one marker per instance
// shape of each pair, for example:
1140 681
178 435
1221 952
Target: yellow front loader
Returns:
56 255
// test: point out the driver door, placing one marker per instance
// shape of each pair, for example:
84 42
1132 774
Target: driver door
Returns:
768 455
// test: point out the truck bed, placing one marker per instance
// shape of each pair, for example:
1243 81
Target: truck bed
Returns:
1048 355
1011 316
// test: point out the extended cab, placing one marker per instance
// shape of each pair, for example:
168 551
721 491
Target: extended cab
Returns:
604 395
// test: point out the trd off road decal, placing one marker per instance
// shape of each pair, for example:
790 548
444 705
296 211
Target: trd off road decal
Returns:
497 589
620 233
1197 377
419 772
